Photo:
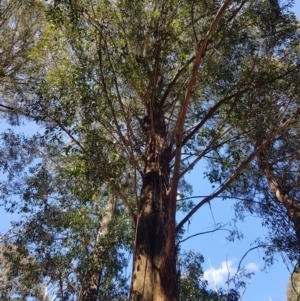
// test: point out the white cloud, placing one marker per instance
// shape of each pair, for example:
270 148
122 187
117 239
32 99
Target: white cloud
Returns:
217 277
251 267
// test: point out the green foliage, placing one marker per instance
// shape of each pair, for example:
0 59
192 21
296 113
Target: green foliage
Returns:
62 209
101 79
19 278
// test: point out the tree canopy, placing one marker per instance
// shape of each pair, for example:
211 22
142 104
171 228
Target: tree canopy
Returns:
128 96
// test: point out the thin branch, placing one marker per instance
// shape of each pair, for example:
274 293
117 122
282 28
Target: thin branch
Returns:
201 233
119 131
193 22
15 110
236 11
175 78
124 114
211 112
205 151
202 154
220 197
251 249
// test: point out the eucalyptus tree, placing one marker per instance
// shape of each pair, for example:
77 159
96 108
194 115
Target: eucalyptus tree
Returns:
72 231
270 188
144 90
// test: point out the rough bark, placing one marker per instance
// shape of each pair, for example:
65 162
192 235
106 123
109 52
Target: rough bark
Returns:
154 273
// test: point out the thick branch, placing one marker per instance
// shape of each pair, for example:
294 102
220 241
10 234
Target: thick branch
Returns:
181 119
279 192
243 165
251 249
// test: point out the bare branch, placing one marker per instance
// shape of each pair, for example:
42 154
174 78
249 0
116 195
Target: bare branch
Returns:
251 249
201 233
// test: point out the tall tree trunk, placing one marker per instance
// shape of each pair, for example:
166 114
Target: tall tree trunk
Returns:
92 277
154 273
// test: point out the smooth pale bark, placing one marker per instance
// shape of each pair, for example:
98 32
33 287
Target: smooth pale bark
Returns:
92 278
291 205
293 288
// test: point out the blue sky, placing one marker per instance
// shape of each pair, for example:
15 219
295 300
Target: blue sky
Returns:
221 256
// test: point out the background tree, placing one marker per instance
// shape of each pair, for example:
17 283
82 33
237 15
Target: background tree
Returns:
64 223
16 281
20 27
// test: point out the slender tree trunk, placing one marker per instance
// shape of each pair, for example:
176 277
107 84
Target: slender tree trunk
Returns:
92 277
293 210
89 291
291 205
154 273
